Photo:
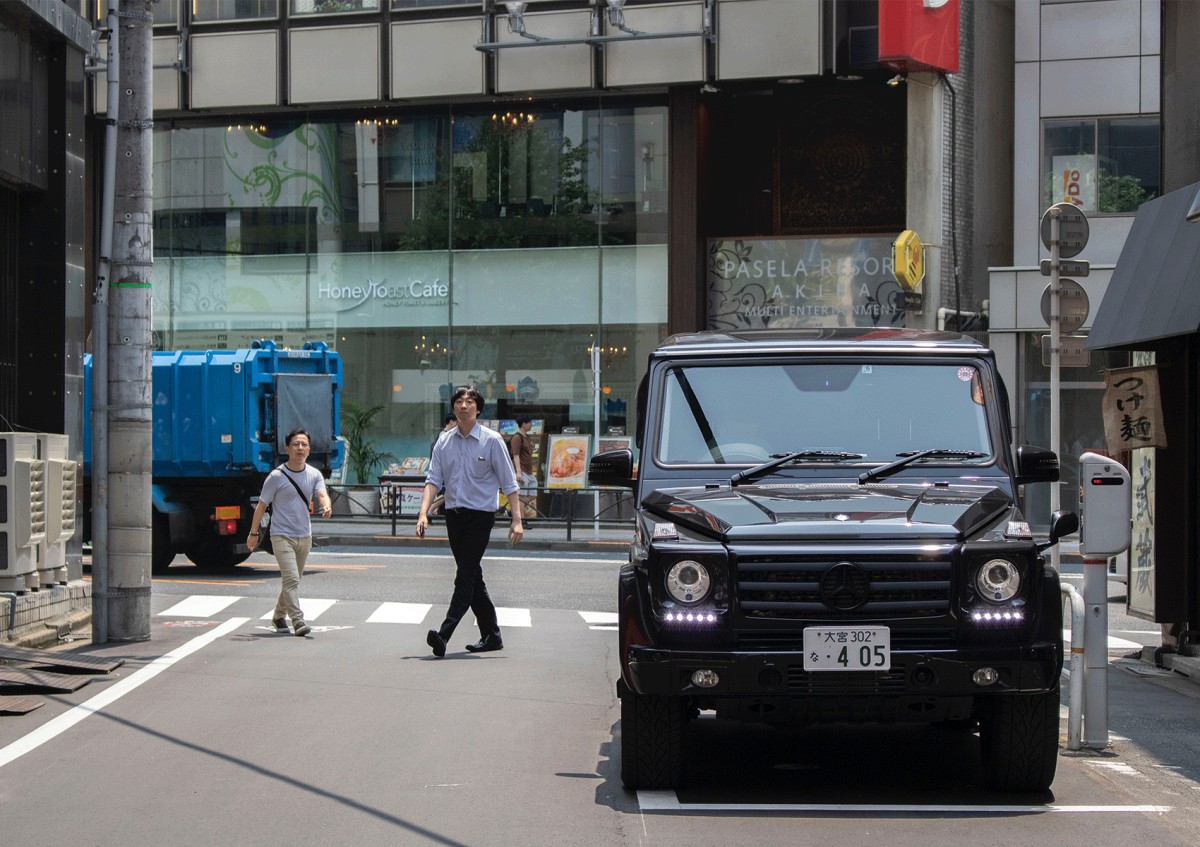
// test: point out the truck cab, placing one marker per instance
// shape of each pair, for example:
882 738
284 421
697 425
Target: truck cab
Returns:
828 529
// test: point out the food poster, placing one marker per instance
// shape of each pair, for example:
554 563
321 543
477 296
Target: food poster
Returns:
568 461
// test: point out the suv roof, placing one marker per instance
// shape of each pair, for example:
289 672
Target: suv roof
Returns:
857 340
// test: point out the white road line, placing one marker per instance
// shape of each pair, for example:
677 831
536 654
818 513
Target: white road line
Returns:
508 617
200 606
668 801
117 690
1114 643
400 613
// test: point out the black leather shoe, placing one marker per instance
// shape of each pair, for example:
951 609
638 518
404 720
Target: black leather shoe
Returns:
486 645
435 640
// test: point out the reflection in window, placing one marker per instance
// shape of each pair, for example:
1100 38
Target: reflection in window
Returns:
1104 165
325 7
232 10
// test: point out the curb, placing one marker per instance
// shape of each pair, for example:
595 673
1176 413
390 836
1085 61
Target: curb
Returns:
408 541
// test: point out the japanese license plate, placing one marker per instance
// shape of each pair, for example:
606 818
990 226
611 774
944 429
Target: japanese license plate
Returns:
847 648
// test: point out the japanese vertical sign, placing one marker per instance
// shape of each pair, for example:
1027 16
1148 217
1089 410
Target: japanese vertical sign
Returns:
1132 409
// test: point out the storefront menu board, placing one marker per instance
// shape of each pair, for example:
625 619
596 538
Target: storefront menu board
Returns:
568 461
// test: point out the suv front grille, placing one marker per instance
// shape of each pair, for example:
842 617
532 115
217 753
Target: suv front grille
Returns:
821 589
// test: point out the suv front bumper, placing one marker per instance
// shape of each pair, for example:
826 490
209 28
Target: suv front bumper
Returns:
924 674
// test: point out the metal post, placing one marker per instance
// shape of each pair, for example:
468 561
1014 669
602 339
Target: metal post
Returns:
1095 700
1055 381
1075 700
596 430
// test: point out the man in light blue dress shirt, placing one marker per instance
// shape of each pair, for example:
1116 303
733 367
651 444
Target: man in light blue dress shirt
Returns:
472 463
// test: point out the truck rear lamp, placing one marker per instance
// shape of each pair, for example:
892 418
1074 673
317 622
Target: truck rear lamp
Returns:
998 580
688 582
227 527
227 513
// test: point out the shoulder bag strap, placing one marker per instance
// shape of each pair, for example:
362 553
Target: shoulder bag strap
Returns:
295 485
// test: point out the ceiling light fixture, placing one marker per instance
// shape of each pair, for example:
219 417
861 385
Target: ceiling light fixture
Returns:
516 20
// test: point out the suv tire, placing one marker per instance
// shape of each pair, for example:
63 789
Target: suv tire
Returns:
1018 739
652 731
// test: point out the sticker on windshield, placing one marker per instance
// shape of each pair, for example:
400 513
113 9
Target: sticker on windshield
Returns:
866 369
966 373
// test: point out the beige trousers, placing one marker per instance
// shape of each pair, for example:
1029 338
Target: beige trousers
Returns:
291 554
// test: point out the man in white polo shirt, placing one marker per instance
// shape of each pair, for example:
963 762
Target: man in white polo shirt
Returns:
472 463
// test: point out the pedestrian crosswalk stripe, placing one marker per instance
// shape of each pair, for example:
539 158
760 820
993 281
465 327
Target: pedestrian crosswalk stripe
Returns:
200 606
513 617
600 620
312 608
400 613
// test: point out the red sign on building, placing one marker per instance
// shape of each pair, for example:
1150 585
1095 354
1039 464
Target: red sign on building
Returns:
919 35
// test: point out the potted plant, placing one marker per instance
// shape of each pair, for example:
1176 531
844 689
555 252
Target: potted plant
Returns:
363 455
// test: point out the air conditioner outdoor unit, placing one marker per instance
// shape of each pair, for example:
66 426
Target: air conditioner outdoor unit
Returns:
22 511
61 479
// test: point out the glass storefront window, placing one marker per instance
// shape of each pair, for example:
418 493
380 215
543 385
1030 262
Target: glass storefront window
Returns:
1102 165
429 250
1081 423
234 10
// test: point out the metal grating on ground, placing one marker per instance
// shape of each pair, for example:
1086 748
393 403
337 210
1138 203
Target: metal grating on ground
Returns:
29 678
19 705
66 661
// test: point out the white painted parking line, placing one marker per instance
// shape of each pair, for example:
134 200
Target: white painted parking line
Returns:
400 613
200 606
119 689
668 801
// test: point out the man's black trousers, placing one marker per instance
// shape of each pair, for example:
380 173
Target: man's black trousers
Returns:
469 532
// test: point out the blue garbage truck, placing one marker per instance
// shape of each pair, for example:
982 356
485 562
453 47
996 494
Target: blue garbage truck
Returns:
219 420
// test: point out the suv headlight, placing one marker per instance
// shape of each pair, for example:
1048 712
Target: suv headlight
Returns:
998 580
688 582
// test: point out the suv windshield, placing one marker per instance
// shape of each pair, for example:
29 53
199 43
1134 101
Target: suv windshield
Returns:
743 414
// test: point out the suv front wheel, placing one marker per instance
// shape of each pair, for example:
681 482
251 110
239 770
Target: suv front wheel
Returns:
652 735
1018 740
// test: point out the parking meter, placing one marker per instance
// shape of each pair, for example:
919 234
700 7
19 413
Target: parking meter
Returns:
1104 505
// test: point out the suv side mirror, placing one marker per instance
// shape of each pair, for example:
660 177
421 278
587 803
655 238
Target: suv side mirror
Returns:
613 467
1062 524
1036 464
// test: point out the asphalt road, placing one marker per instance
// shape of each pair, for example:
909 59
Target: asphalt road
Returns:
219 730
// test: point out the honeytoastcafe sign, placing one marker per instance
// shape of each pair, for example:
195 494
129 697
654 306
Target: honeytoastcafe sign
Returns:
803 282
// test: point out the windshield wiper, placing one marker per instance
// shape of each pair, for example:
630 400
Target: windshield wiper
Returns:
778 459
911 456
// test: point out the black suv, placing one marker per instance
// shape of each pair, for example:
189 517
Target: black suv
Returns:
828 530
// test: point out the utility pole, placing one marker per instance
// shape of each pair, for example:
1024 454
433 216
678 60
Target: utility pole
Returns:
129 407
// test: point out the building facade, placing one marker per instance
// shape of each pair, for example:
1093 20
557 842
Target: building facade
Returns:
1086 130
455 192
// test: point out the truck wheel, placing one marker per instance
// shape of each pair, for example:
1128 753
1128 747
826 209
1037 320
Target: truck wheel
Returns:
1018 741
652 731
161 554
216 555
